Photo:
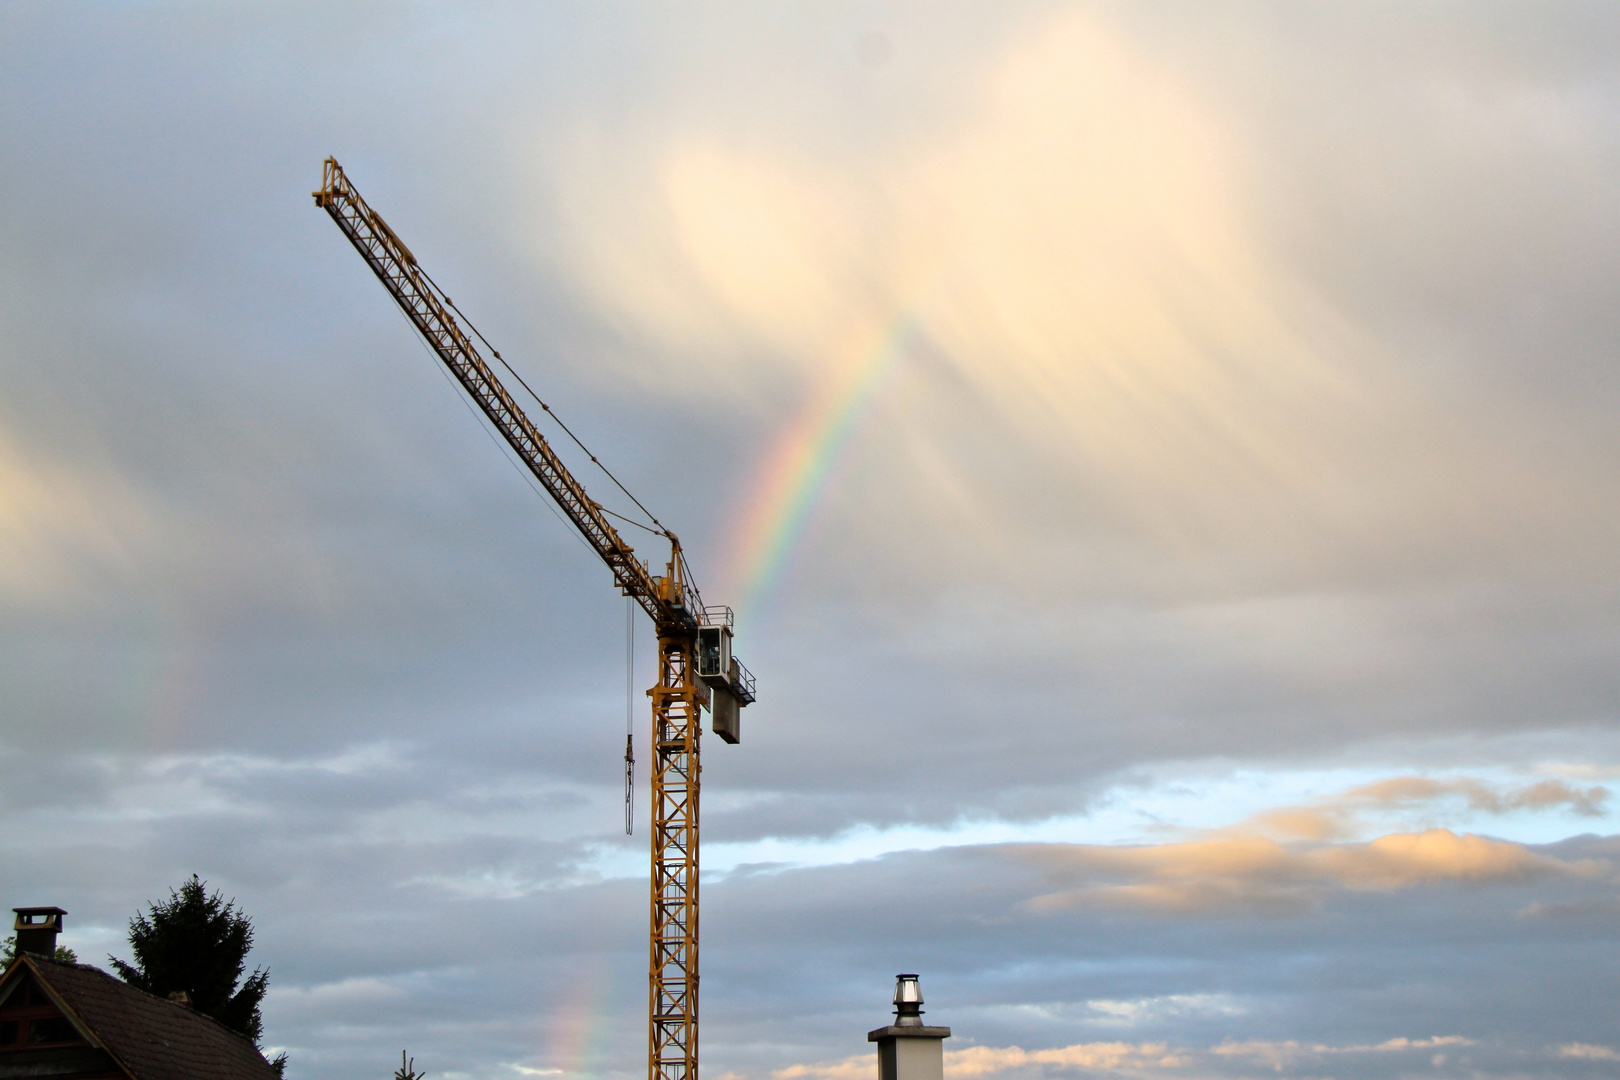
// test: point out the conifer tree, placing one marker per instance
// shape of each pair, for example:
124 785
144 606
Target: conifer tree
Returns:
199 943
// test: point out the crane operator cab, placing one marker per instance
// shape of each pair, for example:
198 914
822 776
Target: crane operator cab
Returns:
718 671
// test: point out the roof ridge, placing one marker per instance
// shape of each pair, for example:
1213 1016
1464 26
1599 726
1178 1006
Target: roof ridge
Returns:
192 1009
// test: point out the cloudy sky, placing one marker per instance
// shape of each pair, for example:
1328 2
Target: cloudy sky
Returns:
1163 458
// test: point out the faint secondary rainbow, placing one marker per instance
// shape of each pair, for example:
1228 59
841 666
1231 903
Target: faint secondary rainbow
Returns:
582 1027
793 478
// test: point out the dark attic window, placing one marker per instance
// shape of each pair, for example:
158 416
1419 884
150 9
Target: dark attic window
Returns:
51 1029
27 1018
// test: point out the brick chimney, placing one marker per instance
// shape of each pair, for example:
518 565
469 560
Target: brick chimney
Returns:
37 928
908 1049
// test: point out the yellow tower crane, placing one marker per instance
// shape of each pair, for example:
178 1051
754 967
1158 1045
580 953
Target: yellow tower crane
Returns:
695 665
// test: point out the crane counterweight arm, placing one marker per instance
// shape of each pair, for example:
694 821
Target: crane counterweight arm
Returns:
430 312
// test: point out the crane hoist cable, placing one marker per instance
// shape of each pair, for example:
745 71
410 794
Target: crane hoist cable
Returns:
696 668
504 451
629 717
548 410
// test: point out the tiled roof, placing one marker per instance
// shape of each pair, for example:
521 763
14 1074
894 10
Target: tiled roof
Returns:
152 1038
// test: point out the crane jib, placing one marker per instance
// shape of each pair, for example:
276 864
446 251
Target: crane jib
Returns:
696 668
670 600
394 265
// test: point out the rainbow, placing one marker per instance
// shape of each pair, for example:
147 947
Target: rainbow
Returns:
581 1029
794 478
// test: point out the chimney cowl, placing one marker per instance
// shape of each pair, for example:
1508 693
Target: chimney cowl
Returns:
908 1001
909 1049
908 1023
37 928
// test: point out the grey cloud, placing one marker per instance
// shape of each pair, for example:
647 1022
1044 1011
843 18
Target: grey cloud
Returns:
247 531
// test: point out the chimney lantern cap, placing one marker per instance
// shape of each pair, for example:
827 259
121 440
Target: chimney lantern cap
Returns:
908 1001
38 918
908 1024
37 928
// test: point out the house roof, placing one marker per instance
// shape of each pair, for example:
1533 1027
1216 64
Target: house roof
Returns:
153 1039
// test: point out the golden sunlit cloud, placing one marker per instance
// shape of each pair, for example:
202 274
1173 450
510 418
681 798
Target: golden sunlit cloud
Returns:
989 1060
985 1061
1261 873
1338 816
1146 1058
1082 250
63 529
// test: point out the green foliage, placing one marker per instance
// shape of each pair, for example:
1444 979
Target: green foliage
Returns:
8 951
199 943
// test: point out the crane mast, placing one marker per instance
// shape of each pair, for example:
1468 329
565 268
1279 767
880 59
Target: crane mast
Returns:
687 682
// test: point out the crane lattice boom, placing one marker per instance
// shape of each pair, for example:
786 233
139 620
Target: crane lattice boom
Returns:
684 686
396 268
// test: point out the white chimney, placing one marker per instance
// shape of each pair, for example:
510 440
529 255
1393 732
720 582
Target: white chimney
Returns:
908 1049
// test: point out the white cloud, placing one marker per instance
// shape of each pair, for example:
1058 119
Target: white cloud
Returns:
1281 1054
1152 1009
1588 1052
347 992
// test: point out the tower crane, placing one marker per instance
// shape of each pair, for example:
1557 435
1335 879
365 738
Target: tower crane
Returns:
695 666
